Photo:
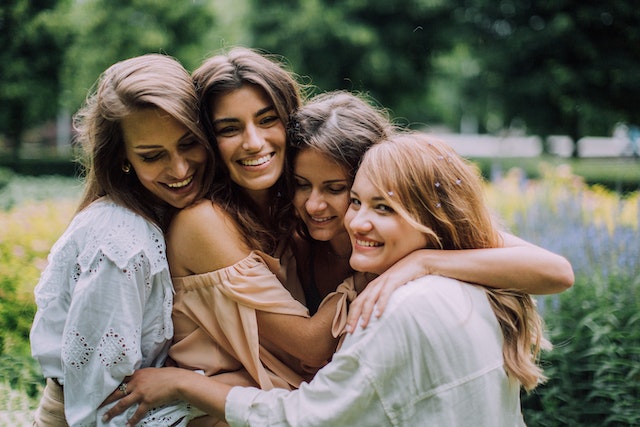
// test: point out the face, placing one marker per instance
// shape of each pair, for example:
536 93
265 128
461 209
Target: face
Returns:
167 159
379 236
322 194
251 137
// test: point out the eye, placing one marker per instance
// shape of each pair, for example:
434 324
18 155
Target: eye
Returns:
301 184
381 207
269 120
150 157
227 131
337 189
354 202
188 144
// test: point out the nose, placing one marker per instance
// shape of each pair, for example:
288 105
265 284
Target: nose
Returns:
359 222
315 203
253 140
179 166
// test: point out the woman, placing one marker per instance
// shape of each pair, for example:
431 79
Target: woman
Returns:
232 314
104 301
444 352
330 134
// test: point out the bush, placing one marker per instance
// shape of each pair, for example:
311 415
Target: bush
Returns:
594 368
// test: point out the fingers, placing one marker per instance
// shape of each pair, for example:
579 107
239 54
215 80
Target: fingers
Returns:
123 404
362 307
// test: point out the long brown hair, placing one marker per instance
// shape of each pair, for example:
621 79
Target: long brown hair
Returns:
147 81
224 73
441 195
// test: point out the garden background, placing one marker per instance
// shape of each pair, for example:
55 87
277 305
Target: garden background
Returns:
480 67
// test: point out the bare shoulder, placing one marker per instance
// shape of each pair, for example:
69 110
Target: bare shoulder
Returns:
203 238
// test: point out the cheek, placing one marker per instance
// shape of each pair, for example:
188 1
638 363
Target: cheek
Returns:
342 205
299 199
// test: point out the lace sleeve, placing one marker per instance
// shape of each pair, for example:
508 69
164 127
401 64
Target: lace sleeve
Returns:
101 341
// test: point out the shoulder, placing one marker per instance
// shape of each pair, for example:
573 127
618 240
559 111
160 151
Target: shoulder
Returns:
203 238
202 215
437 297
118 233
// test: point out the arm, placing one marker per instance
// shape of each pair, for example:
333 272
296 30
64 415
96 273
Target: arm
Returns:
518 264
204 238
105 314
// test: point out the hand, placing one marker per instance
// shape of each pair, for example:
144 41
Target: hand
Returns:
116 394
379 290
149 388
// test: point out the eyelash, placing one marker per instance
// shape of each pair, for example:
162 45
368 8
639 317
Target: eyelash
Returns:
187 145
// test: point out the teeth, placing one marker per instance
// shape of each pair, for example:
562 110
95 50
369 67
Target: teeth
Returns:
256 162
181 183
367 243
320 219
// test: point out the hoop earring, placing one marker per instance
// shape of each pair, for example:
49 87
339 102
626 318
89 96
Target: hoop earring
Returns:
126 167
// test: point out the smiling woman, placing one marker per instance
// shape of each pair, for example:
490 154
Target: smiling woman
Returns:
167 158
104 299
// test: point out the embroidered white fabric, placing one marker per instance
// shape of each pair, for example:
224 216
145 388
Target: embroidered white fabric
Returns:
104 309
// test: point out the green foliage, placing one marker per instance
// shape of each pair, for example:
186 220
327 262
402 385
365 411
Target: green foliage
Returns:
561 67
107 31
33 43
380 47
594 368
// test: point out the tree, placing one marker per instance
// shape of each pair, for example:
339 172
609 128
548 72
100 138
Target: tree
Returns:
33 41
567 67
381 47
108 31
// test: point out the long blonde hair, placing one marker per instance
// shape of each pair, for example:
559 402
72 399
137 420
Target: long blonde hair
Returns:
441 195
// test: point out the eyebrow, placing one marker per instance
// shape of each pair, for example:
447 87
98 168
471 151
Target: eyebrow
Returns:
186 135
233 119
375 199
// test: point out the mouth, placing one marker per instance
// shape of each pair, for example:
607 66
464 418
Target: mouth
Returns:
181 184
321 220
368 243
259 161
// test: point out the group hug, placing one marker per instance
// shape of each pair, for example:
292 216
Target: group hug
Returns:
246 255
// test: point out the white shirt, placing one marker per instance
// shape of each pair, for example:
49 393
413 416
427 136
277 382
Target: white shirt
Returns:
434 358
104 309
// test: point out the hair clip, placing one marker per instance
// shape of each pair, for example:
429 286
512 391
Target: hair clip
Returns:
390 193
437 184
438 205
458 181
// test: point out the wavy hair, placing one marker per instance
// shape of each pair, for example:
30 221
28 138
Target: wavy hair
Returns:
224 73
147 81
441 195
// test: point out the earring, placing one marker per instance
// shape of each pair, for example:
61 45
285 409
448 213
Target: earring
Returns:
126 167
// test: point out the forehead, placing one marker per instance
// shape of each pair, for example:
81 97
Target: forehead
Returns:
151 127
311 162
248 99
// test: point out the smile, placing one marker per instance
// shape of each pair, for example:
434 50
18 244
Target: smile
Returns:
316 219
368 244
181 183
256 162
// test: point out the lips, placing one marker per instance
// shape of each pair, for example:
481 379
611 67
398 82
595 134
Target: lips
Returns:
321 220
181 184
256 161
368 243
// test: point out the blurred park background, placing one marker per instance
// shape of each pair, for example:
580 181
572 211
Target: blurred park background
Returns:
543 95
